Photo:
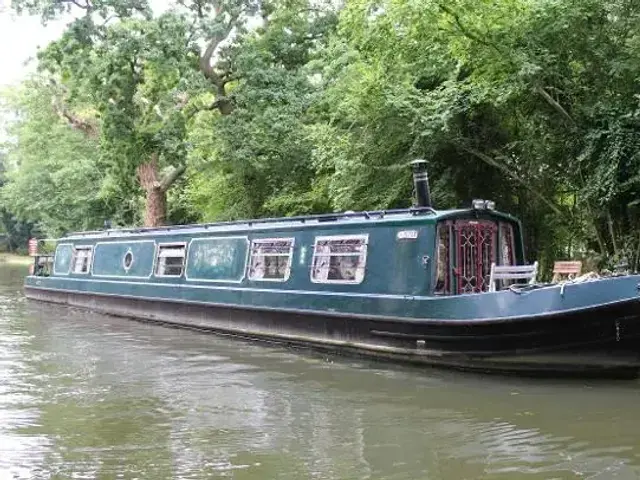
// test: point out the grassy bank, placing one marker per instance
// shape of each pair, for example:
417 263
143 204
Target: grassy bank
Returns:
14 259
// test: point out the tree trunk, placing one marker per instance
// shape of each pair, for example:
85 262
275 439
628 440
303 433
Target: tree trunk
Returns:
612 233
155 212
225 105
636 257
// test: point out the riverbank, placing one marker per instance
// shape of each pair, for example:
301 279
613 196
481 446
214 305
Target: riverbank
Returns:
15 259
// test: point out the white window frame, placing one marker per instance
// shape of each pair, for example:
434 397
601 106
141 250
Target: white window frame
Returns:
255 243
156 259
74 257
360 272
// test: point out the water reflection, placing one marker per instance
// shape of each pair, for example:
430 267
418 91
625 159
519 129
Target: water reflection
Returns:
89 396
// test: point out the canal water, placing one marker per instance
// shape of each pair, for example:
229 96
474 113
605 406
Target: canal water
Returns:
91 396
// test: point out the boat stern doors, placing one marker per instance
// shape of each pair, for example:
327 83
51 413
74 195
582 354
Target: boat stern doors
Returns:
466 248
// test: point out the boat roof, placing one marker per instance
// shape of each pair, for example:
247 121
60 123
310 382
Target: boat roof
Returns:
409 215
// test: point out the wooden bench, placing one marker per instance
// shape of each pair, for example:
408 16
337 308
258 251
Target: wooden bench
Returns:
512 272
570 269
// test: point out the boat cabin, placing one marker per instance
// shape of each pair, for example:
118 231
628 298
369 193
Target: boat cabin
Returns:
417 251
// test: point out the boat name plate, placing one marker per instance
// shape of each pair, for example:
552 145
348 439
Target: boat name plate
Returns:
407 235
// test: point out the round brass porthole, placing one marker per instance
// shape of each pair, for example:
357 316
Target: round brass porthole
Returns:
127 261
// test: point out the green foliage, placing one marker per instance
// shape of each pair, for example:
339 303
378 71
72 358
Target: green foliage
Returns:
105 9
498 106
258 160
51 176
291 106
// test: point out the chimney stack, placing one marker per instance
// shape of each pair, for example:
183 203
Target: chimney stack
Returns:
421 183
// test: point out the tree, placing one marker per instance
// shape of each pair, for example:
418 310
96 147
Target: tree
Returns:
51 174
146 78
136 78
498 106
258 159
235 108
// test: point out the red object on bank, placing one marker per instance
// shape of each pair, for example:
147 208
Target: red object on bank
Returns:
33 246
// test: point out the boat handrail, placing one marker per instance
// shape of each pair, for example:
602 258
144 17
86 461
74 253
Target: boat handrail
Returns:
325 217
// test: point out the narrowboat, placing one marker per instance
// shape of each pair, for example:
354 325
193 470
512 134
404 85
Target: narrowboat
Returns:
413 285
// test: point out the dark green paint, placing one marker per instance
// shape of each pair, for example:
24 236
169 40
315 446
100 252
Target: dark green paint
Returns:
109 259
504 304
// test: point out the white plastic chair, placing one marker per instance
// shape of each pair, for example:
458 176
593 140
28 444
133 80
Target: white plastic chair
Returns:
512 272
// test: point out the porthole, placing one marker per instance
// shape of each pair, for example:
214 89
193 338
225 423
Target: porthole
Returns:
127 261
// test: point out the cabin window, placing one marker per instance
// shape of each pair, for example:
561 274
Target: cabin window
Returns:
271 259
339 259
170 261
127 260
443 281
81 260
217 259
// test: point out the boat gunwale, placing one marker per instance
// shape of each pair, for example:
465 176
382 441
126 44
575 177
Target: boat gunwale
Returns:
413 320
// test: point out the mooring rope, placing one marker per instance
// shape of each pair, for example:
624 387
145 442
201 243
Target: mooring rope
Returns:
525 289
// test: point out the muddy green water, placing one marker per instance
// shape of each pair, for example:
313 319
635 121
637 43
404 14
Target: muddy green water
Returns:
90 396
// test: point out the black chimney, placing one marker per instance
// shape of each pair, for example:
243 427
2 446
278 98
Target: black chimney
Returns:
421 183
